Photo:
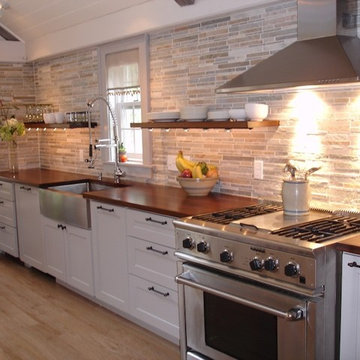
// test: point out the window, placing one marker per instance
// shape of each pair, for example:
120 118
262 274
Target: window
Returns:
124 81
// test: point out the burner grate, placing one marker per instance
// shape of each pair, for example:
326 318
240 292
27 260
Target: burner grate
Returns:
227 216
321 230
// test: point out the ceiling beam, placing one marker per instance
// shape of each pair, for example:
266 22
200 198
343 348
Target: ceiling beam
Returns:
185 2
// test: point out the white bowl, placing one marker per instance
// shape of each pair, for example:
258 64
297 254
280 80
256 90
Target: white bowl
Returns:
197 187
256 112
192 112
49 118
59 117
218 115
237 114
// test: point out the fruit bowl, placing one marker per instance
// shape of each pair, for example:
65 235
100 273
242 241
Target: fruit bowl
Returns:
197 186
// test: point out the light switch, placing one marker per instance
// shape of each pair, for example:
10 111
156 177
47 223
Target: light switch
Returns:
171 165
258 169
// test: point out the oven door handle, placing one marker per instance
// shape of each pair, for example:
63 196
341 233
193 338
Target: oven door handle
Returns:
295 313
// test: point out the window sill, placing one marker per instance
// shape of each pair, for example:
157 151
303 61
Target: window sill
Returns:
136 171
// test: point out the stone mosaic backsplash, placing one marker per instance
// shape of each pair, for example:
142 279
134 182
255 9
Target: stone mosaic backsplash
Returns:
187 64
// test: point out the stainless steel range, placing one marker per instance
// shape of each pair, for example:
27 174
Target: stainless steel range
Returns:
257 284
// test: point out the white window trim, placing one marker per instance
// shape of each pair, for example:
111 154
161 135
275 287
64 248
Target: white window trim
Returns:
141 42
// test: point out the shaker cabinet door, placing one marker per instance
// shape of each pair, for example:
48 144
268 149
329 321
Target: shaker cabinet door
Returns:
350 308
110 254
29 226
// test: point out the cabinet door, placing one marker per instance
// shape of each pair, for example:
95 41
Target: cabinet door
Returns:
350 308
8 240
79 269
152 261
152 227
155 305
110 254
54 245
29 226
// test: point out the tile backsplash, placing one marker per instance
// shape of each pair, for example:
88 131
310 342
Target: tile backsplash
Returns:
187 64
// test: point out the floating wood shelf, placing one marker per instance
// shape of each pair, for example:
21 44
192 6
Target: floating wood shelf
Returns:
70 125
206 124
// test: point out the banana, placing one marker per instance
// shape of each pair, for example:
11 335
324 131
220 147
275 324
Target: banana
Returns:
179 163
182 163
196 172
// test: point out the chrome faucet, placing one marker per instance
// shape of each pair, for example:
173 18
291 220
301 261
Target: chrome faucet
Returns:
118 173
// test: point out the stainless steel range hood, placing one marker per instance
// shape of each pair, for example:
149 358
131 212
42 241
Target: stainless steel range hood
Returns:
327 52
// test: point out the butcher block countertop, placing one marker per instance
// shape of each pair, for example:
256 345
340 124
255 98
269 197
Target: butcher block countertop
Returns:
350 245
165 200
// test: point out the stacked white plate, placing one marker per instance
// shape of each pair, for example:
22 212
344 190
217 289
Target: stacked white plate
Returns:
218 115
163 116
193 113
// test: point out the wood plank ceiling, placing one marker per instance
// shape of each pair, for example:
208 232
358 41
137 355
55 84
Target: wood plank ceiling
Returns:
29 19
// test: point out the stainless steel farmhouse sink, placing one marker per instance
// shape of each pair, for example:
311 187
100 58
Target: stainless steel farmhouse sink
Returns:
65 203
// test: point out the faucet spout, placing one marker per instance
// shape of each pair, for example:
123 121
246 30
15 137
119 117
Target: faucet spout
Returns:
118 173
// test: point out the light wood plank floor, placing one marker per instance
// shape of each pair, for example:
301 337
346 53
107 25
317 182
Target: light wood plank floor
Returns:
41 320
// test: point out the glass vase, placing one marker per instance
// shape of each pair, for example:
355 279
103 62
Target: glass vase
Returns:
13 161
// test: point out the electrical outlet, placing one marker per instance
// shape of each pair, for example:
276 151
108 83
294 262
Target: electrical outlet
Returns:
171 165
81 155
258 169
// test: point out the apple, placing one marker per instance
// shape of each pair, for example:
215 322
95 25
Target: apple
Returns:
186 173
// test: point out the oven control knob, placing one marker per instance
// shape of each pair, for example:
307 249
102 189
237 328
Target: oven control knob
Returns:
256 264
203 247
292 269
188 243
226 256
271 264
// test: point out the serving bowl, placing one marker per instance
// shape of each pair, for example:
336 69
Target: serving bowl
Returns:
49 118
193 112
256 112
237 114
196 186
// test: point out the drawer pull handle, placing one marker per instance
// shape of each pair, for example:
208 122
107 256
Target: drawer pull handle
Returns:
156 221
1 184
150 248
25 188
151 288
102 208
62 227
1 202
2 227
353 264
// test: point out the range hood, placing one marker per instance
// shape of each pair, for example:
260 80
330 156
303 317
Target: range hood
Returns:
327 52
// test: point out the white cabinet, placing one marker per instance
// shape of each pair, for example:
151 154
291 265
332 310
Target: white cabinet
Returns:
110 254
152 268
350 308
29 226
78 257
8 233
54 248
68 254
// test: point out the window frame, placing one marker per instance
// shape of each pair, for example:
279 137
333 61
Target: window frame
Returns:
141 43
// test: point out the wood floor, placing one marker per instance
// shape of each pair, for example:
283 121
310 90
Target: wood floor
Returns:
41 320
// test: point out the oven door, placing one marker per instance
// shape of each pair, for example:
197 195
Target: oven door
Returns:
226 318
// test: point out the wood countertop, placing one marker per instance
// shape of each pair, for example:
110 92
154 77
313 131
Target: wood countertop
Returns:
350 245
165 200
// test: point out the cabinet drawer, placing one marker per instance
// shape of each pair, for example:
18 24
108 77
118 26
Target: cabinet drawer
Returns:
8 240
6 191
152 227
152 261
7 212
155 305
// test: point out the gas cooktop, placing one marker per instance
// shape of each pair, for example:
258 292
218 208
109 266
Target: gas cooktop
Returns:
227 216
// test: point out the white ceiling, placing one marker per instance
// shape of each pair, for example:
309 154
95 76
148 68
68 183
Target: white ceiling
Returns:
51 27
30 19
